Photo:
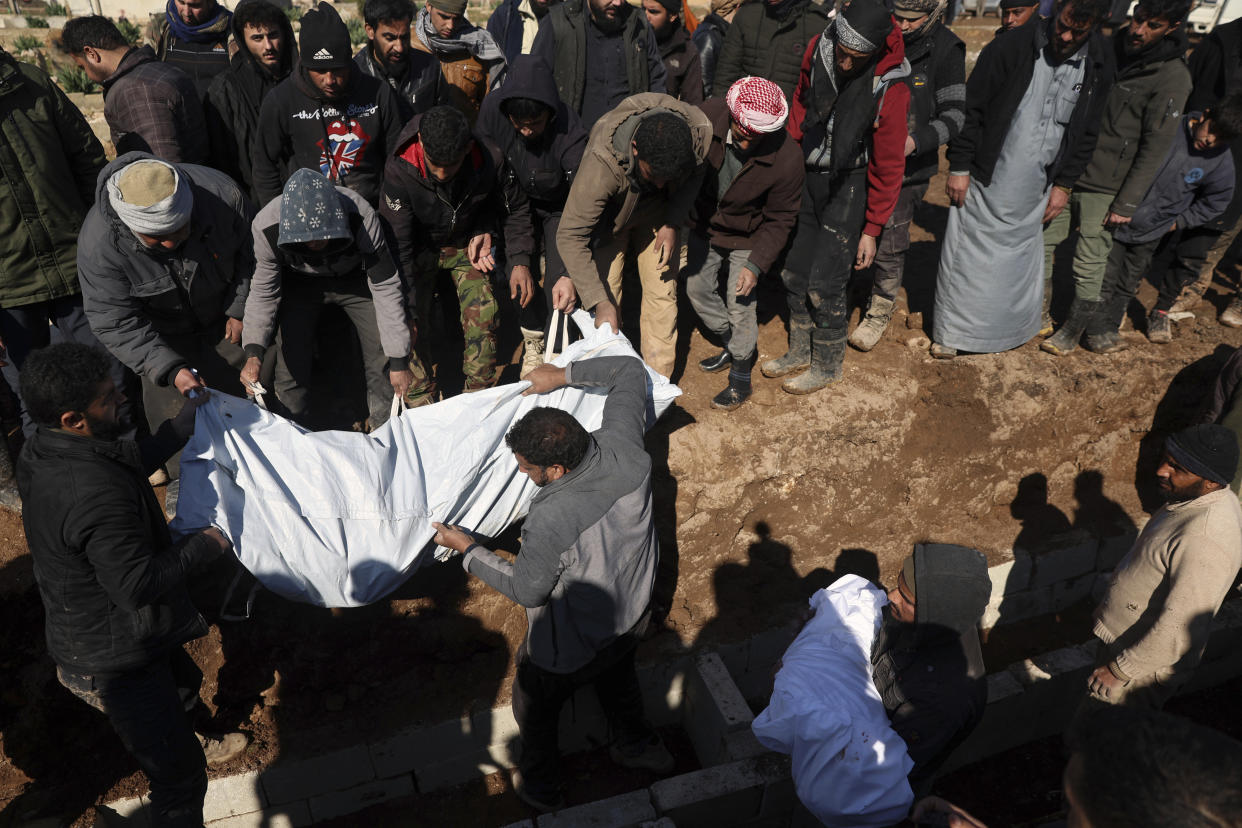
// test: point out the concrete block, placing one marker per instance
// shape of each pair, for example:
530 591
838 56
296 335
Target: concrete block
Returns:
735 656
56 21
497 726
713 709
455 770
134 810
742 745
304 778
1111 550
1011 576
1001 686
779 797
289 815
1018 606
662 822
1069 592
721 796
232 795
625 811
401 752
1070 558
340 803
526 823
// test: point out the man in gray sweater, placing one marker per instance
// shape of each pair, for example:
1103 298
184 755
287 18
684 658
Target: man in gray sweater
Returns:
585 571
1155 620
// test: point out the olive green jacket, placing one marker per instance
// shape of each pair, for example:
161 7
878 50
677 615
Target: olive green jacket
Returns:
49 160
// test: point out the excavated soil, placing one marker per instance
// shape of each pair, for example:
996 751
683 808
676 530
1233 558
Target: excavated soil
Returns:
755 510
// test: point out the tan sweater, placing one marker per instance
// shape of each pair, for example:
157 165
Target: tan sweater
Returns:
1163 595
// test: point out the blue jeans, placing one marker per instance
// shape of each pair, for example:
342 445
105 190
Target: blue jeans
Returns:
26 328
147 709
733 317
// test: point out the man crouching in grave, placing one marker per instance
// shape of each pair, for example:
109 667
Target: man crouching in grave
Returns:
585 572
926 661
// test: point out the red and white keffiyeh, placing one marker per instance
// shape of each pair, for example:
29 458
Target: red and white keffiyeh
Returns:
757 105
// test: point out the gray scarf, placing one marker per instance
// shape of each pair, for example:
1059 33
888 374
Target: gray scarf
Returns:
469 38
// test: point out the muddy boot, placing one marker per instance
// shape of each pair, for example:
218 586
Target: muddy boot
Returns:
532 351
799 354
1066 339
1231 317
1192 294
869 331
738 391
1045 317
1104 328
1159 328
827 356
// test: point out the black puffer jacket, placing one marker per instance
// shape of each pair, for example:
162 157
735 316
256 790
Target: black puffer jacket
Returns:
930 674
760 43
231 106
709 38
545 168
111 578
426 215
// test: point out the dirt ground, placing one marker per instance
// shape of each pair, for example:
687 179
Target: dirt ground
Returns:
755 510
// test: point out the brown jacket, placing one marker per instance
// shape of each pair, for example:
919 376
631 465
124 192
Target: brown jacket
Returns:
759 210
603 202
465 78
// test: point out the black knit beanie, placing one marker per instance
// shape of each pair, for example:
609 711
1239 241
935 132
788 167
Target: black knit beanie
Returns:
864 25
323 42
1210 451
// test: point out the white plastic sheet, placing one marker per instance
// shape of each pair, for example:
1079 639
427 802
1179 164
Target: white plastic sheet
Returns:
341 519
849 766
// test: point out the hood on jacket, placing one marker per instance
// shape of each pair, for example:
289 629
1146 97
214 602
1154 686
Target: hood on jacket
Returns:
620 125
951 586
288 43
410 149
530 76
311 210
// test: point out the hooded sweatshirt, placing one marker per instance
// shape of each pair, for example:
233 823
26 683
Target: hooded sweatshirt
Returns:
232 105
426 215
296 123
930 674
544 168
356 246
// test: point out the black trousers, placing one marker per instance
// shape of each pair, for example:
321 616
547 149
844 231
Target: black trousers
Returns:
1128 262
539 695
821 255
147 708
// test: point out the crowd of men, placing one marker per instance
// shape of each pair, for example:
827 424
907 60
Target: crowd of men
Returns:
567 154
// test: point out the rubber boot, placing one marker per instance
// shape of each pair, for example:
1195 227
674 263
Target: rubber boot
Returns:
827 356
869 331
1066 339
720 361
1104 328
799 354
738 391
532 352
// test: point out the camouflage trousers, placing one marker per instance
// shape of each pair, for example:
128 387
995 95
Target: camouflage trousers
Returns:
478 325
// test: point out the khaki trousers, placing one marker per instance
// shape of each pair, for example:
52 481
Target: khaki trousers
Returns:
657 319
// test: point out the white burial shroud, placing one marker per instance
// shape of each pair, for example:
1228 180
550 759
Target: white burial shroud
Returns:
341 519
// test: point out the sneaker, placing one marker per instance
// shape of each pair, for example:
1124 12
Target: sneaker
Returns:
223 748
653 756
1231 317
544 803
1159 328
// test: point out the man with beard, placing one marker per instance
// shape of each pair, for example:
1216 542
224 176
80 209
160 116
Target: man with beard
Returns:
1140 123
165 260
1015 13
1156 617
413 74
515 23
541 141
601 53
327 116
471 64
849 114
196 36
585 571
937 83
1034 102
683 71
233 101
926 661
768 39
112 580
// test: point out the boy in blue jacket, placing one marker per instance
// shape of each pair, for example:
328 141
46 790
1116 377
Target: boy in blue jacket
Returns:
1194 185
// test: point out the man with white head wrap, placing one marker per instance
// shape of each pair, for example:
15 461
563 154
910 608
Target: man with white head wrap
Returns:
745 212
165 260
